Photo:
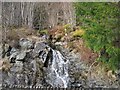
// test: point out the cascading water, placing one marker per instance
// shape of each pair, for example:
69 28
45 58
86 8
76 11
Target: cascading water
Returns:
57 69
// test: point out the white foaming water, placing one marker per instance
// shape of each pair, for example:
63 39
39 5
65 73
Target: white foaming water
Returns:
58 71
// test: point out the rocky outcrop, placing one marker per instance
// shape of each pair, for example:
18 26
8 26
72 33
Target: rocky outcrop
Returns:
25 70
30 65
37 64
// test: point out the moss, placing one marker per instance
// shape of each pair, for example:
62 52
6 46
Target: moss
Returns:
78 33
67 28
42 32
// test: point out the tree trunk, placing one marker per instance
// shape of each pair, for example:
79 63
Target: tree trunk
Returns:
38 15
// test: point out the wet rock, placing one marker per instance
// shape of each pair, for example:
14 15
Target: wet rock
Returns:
57 70
25 44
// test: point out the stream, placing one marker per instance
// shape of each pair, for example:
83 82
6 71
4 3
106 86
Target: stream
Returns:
57 69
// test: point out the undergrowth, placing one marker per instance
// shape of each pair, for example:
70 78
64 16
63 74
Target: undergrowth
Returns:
100 22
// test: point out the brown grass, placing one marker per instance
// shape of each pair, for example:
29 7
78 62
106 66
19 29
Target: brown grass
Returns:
13 36
76 45
87 55
99 73
57 31
5 65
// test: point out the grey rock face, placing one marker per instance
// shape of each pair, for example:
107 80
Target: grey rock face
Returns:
76 69
4 50
21 55
12 57
41 51
13 50
17 67
76 65
39 47
25 43
30 72
25 73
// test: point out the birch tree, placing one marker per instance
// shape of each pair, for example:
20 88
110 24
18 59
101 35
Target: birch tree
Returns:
38 15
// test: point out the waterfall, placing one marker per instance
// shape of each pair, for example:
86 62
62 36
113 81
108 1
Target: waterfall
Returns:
57 70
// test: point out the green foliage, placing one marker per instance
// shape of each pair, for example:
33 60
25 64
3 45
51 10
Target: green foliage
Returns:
100 22
78 33
42 32
67 28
